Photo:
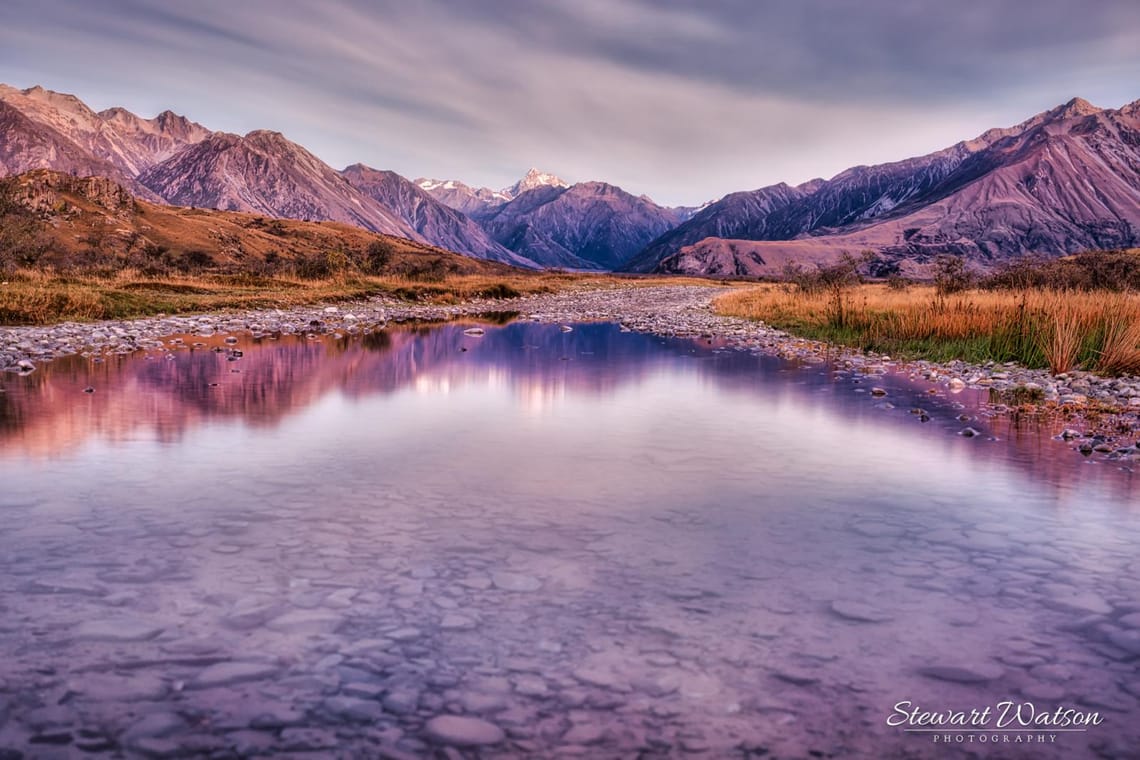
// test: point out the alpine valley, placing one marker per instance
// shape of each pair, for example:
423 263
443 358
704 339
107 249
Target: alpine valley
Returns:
1063 181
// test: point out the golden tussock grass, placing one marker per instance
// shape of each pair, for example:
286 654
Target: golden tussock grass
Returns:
1037 328
37 297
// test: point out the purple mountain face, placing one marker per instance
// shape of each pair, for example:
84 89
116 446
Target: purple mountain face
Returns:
264 173
590 225
1066 180
444 226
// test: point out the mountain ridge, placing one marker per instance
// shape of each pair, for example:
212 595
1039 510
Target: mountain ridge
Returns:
1062 180
1007 192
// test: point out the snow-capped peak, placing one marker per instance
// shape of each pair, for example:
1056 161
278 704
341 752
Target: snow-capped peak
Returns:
534 178
432 184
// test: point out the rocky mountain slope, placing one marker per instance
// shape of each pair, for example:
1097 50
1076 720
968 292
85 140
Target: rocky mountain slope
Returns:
1063 181
170 158
50 218
590 225
264 173
26 145
434 221
117 136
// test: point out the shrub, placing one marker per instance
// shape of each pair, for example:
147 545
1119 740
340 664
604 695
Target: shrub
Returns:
377 256
951 275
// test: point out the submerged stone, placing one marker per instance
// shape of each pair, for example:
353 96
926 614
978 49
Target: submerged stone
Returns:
228 673
962 673
462 731
515 582
116 630
858 612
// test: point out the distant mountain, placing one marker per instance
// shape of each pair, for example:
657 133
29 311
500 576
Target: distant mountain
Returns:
434 221
478 202
264 173
1063 181
748 215
472 201
533 180
590 225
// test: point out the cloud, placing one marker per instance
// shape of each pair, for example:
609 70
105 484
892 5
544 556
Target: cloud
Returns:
681 100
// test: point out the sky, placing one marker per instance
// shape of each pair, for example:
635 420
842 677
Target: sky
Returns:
682 101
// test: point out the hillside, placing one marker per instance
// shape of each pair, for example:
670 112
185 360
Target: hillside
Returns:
49 219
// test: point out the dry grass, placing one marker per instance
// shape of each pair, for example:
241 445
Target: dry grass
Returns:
1038 328
44 297
1118 353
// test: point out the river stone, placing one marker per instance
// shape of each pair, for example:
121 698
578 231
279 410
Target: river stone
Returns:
1129 641
108 687
858 612
584 733
982 673
481 703
531 686
305 621
456 622
794 676
227 673
153 726
298 739
515 582
461 731
116 630
354 710
596 676
1066 599
1131 620
250 613
401 701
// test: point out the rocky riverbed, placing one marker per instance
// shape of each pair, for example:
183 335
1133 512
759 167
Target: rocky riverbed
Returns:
497 545
1094 415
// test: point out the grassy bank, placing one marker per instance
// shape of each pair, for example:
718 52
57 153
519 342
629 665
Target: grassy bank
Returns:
1060 330
39 298
29 297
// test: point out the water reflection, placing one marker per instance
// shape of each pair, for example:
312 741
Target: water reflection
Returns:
162 395
593 542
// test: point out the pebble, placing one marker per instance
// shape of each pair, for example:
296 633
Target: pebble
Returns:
515 582
229 673
305 621
116 630
859 612
982 673
457 622
463 731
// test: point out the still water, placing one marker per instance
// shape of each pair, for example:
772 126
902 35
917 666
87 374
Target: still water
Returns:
589 543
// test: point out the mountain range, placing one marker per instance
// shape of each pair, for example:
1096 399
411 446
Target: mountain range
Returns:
1064 180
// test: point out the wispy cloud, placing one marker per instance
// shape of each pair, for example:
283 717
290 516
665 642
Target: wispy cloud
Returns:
681 100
